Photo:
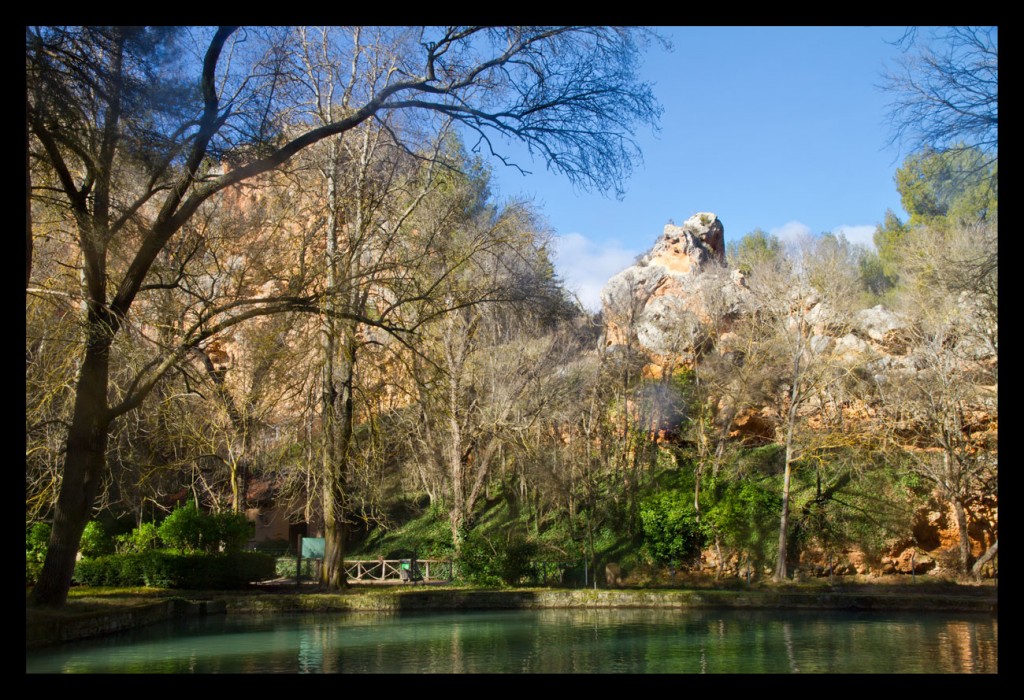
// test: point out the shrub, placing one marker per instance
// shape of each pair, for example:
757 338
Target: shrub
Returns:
671 532
166 569
219 571
285 567
37 539
484 564
32 569
232 530
188 529
142 539
95 541
105 571
745 514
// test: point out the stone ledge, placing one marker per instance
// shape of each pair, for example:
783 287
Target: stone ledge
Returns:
92 624
95 624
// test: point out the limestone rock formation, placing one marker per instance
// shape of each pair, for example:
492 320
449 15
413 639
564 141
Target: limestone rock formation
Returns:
690 247
664 298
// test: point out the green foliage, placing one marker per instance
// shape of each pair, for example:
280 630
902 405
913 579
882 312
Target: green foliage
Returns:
561 539
865 507
32 569
888 238
753 250
165 569
953 187
95 541
670 529
873 277
765 460
112 570
744 513
37 540
485 562
141 539
912 483
190 530
941 191
285 567
422 530
232 530
186 529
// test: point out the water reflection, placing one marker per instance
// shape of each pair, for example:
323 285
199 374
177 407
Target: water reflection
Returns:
550 641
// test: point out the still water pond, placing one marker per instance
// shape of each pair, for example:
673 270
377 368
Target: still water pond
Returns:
547 641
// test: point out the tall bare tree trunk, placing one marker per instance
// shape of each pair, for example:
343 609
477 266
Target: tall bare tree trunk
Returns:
85 462
964 545
457 519
781 568
336 399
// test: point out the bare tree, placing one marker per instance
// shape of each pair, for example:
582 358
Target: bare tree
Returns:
140 134
943 411
946 90
799 308
484 366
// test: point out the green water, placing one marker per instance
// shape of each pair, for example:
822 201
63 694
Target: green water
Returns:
548 641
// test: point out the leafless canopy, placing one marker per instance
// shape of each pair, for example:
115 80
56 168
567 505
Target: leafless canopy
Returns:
946 90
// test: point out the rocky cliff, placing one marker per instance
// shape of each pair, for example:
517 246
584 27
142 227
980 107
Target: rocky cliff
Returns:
680 300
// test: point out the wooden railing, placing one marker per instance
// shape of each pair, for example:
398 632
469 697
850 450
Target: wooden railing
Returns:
369 570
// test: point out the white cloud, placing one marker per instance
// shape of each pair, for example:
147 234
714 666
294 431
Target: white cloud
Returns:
794 236
861 235
586 265
791 232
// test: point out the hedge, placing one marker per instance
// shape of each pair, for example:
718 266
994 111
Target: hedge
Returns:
164 569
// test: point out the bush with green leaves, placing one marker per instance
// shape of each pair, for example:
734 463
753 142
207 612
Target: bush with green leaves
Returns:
232 531
484 562
165 569
32 571
188 529
744 514
144 538
37 540
670 529
95 541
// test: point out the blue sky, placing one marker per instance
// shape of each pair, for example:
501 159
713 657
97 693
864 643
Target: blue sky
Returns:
782 128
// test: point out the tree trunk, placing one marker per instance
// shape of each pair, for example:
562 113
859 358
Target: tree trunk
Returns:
718 552
332 573
964 558
336 467
344 427
984 559
28 205
781 571
336 406
84 464
456 468
236 489
780 568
